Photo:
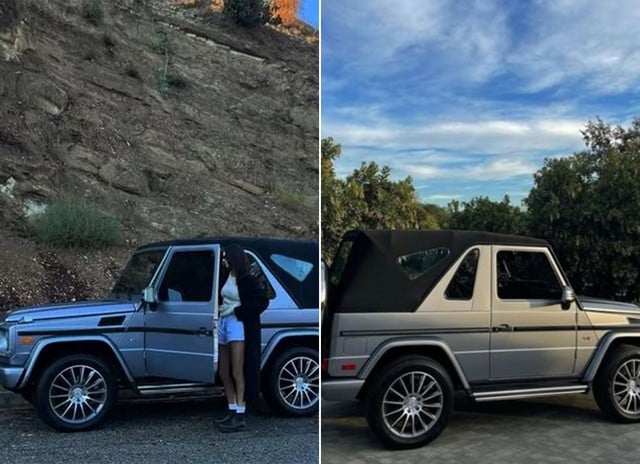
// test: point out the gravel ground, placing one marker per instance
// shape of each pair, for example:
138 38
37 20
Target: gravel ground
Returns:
562 429
160 432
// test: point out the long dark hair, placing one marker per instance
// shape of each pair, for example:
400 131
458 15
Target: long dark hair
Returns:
236 259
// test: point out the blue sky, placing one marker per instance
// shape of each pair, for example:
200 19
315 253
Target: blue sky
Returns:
309 11
468 97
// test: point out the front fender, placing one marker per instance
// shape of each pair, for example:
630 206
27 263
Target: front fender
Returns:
44 343
603 349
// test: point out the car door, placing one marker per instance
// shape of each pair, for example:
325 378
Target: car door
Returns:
531 334
180 328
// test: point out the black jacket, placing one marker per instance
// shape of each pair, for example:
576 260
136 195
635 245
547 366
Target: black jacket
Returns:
253 301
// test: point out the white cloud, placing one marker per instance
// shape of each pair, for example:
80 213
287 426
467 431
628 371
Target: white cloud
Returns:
545 43
491 170
443 197
590 41
478 138
474 92
380 37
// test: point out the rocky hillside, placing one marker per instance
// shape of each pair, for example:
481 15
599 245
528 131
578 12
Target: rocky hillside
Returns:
172 119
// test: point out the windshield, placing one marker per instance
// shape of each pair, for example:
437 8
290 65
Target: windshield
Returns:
137 275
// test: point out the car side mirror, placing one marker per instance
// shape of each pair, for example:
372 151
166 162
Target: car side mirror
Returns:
149 297
568 297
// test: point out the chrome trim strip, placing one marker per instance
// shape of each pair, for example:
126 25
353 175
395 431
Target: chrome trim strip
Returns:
512 350
528 393
186 353
168 386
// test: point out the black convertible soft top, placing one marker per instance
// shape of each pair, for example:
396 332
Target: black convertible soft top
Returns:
304 293
371 279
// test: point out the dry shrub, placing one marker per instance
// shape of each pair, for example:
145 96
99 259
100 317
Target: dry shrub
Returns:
285 10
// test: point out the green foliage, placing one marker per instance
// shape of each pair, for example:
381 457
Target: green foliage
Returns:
485 215
366 199
586 205
289 197
161 44
93 11
247 13
75 222
168 79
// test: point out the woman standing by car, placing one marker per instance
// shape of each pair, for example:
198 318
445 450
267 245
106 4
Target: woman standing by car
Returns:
239 337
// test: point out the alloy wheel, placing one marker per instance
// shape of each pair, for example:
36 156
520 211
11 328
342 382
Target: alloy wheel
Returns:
412 404
299 382
77 394
626 386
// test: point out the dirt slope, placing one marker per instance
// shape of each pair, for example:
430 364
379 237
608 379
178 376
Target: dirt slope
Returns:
171 118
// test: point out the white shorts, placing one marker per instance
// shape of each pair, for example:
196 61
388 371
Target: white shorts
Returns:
230 329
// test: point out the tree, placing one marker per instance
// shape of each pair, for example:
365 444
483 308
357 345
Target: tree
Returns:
586 205
480 213
331 197
366 199
247 13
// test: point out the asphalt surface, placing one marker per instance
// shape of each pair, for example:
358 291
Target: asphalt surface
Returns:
179 431
564 429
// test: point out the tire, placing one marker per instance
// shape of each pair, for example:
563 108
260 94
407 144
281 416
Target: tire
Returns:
616 387
75 393
410 402
27 394
292 386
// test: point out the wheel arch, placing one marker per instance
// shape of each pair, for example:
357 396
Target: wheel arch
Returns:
49 349
435 349
609 343
282 341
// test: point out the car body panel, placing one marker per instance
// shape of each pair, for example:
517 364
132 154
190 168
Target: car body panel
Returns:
171 340
547 345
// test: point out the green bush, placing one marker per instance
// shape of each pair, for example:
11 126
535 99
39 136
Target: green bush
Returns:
247 13
75 222
93 11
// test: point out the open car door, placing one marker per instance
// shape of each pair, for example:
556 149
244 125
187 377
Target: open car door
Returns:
181 340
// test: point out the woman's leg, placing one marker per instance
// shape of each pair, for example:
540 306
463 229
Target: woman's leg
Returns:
237 370
224 370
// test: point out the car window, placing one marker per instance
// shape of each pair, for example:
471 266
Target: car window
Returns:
137 274
256 271
526 275
463 281
340 262
416 264
296 268
189 277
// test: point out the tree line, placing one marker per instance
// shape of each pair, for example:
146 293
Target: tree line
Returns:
585 204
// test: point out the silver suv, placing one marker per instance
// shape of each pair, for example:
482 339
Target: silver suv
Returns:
156 333
412 316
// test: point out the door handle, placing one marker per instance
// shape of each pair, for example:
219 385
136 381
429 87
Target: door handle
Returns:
204 331
503 328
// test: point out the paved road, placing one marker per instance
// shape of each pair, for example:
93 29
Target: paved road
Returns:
567 429
167 432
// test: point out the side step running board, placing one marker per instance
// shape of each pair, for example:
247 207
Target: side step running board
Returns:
528 393
176 389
